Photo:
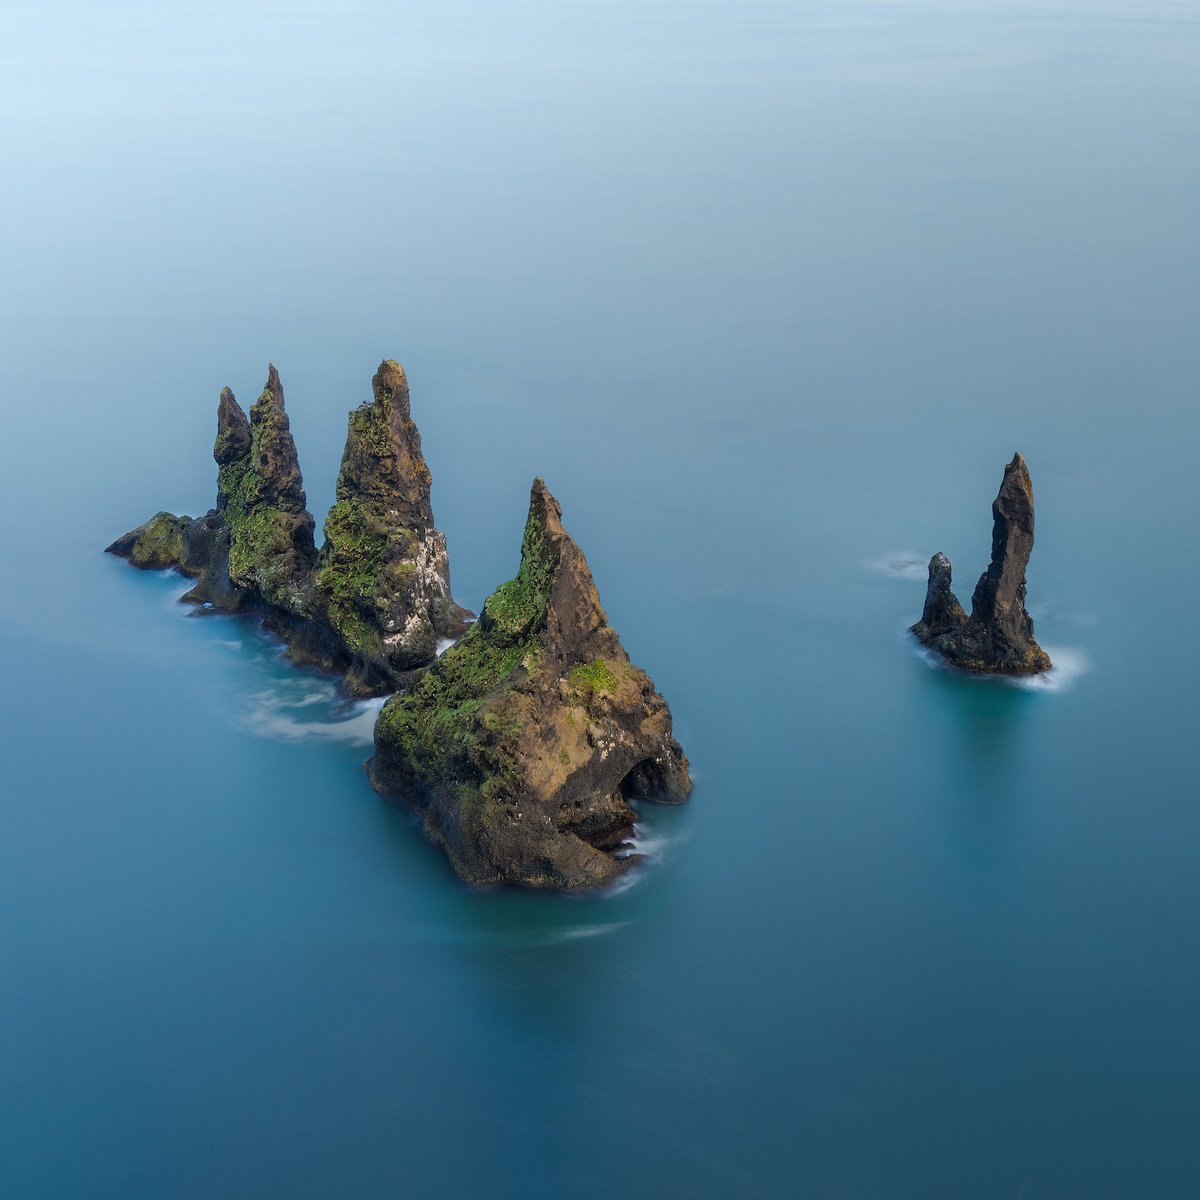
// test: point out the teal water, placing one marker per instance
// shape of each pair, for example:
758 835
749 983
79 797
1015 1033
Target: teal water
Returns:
769 292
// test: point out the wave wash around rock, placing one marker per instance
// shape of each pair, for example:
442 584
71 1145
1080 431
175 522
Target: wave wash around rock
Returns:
374 600
997 638
524 743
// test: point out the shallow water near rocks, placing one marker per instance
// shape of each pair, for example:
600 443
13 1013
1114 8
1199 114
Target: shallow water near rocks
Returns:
769 293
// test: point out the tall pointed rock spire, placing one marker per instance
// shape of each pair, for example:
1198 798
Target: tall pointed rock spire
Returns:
383 579
998 635
524 744
271 551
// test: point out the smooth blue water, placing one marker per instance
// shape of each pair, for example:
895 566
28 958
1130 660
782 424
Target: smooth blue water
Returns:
769 292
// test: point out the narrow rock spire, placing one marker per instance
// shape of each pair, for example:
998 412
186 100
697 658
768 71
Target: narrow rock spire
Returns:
998 636
275 463
1000 593
383 579
233 430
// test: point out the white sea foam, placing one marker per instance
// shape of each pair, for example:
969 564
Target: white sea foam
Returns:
932 660
527 939
172 598
1069 664
576 932
652 847
444 644
271 715
901 564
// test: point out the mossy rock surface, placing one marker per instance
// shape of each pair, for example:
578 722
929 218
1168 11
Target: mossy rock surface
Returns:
160 543
270 530
524 742
374 603
382 580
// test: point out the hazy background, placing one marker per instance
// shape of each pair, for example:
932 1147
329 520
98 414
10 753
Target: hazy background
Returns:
769 293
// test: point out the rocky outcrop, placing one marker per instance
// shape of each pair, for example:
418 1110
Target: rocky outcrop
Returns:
997 638
262 554
383 578
374 601
524 744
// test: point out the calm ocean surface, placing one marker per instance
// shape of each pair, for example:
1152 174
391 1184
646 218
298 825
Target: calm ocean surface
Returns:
769 292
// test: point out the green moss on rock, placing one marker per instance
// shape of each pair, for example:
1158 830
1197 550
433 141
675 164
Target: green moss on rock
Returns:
160 543
515 608
436 727
261 497
593 677
520 768
381 579
375 601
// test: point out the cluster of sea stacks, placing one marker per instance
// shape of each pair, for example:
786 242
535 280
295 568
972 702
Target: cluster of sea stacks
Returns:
997 638
522 744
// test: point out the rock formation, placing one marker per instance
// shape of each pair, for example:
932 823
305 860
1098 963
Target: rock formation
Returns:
375 599
262 533
997 637
524 743
383 579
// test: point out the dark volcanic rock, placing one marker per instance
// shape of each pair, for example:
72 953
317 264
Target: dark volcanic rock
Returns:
383 579
943 613
997 637
233 431
376 599
524 743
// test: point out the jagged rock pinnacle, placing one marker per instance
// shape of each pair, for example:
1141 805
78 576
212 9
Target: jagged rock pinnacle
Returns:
275 462
376 600
383 579
997 637
524 743
233 430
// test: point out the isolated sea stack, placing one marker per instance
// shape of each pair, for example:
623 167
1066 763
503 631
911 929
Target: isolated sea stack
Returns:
376 598
997 638
525 742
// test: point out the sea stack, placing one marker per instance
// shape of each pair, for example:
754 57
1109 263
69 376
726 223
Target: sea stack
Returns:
997 638
263 539
376 598
524 744
255 550
383 579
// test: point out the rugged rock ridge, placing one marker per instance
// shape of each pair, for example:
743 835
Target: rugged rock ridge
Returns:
524 743
997 637
374 601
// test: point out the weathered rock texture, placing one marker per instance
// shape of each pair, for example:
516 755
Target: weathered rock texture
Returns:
997 637
524 743
263 553
376 598
383 579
